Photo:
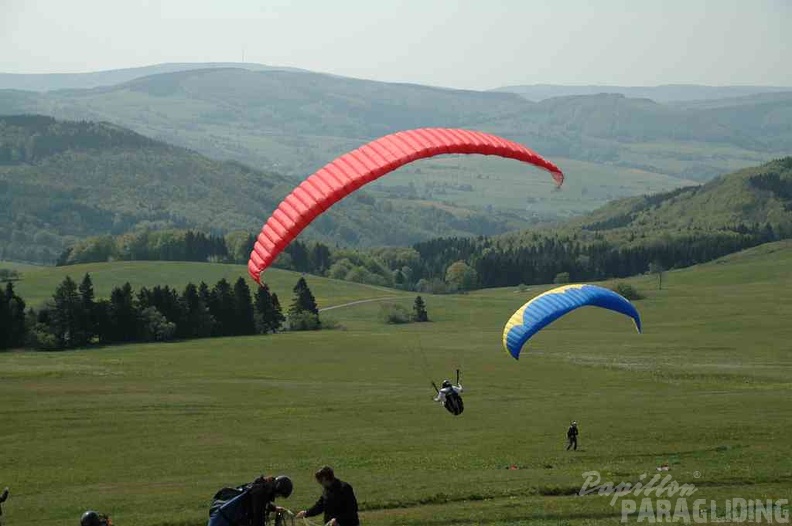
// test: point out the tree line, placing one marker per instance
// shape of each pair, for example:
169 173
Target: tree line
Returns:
30 138
462 263
147 245
453 264
73 317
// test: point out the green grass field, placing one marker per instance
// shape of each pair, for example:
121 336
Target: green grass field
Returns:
148 433
525 193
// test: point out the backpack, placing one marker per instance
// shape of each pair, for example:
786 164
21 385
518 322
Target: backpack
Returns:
453 403
230 507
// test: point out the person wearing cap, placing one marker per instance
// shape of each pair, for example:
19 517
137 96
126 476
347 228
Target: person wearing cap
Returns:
263 492
338 502
572 434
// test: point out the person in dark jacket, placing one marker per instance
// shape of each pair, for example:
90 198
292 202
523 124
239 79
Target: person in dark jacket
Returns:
338 501
92 518
572 434
3 498
263 491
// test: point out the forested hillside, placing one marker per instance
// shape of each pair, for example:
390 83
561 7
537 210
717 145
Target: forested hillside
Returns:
62 181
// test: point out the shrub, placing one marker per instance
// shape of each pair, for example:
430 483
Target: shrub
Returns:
156 327
332 325
627 290
394 313
304 321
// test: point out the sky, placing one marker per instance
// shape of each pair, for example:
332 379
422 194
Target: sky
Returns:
469 44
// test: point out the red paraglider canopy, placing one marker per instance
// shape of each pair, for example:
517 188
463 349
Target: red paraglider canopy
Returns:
352 170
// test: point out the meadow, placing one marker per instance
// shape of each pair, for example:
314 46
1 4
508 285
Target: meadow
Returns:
474 182
147 433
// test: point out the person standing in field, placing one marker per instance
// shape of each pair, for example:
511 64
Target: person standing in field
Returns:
338 502
572 434
3 498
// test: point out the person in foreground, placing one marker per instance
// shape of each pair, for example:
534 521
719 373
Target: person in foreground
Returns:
92 518
3 498
338 501
263 491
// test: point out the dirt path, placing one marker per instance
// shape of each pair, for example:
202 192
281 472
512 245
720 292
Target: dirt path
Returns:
356 303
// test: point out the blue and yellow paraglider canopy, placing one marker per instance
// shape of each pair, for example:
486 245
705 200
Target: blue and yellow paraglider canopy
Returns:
551 305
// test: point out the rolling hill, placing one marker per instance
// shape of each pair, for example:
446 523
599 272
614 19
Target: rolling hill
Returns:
295 121
59 81
760 195
63 180
663 93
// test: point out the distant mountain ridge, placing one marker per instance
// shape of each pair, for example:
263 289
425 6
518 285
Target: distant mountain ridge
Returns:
533 92
95 79
294 122
661 93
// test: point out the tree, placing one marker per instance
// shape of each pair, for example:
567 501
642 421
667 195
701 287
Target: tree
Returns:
5 320
461 276
656 268
299 254
243 309
12 318
204 293
279 318
320 258
303 313
561 278
304 300
155 327
123 315
340 269
39 334
269 318
239 244
18 326
398 278
196 322
223 308
419 310
66 315
87 322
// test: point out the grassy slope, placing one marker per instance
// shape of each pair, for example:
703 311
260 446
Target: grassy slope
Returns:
149 432
526 193
724 202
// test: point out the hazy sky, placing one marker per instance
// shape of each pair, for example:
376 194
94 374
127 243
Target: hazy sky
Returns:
475 44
